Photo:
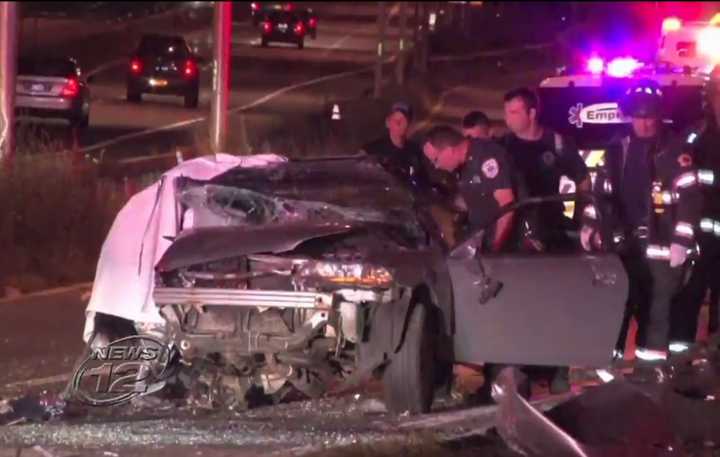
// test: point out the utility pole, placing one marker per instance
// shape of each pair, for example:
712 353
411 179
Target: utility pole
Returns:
221 75
380 50
403 45
8 64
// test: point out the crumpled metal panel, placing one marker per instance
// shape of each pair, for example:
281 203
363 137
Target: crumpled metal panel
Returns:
651 413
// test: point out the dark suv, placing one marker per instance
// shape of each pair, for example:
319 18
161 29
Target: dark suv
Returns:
283 26
164 65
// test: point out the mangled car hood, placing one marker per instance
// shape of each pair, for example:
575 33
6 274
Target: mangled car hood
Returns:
274 210
218 243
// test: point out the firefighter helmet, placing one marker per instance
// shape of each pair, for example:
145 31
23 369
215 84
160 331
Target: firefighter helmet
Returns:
644 99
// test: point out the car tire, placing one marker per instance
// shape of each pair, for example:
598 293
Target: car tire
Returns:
264 42
133 97
409 379
301 43
192 99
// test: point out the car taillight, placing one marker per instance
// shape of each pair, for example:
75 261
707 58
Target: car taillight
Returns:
313 22
299 28
136 66
267 27
71 88
190 69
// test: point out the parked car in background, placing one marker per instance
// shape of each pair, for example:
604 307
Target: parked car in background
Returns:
52 87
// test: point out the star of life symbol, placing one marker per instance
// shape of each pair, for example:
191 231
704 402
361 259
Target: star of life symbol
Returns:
574 117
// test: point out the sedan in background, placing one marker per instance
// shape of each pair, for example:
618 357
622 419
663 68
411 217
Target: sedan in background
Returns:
52 87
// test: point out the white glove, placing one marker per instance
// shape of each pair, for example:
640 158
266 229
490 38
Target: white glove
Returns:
678 255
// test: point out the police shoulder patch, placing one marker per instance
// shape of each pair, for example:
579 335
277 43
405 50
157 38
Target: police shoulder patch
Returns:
490 168
685 160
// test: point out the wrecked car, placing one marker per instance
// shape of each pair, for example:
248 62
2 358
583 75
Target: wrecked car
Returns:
316 275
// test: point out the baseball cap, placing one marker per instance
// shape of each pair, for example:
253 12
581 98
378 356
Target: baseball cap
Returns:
401 107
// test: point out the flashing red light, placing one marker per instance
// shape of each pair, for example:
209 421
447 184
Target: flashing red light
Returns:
254 6
136 66
71 89
313 22
267 27
671 24
289 7
190 68
299 28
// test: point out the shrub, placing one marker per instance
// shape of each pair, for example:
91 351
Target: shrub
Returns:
55 216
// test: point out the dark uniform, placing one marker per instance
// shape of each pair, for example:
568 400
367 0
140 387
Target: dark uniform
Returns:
650 200
405 162
539 165
486 170
705 142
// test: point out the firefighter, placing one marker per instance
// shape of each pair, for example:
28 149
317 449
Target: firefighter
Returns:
705 142
651 203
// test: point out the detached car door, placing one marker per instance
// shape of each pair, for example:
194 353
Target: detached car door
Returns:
536 308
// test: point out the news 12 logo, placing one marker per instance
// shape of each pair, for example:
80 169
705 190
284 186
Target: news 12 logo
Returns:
599 113
122 370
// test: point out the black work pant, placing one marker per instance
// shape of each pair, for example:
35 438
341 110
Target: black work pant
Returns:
705 274
653 285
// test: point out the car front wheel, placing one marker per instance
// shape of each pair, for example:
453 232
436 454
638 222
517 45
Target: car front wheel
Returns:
409 379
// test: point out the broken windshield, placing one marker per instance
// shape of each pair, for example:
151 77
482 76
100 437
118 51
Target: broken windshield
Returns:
341 190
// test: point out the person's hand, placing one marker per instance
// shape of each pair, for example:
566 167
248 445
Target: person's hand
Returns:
678 255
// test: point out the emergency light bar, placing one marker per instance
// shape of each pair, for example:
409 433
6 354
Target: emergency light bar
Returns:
620 67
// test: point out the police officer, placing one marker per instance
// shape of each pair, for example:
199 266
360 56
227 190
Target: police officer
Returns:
705 141
476 124
394 150
484 183
652 203
541 157
483 174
